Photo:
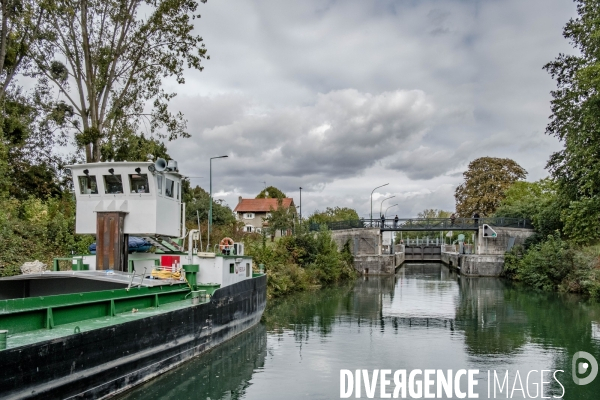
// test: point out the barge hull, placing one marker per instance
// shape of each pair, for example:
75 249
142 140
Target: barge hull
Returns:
104 362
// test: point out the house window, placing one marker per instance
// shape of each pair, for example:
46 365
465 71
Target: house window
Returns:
159 180
138 183
231 268
248 270
87 184
249 216
169 186
113 184
248 228
258 230
268 215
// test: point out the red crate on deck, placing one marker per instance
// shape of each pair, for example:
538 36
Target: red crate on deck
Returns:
170 262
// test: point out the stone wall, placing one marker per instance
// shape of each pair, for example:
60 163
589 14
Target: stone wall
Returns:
499 245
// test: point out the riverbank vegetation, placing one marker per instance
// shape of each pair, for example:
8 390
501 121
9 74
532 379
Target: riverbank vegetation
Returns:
305 260
564 253
565 209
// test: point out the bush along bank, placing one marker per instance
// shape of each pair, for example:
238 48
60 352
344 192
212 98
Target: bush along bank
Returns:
556 264
36 229
304 261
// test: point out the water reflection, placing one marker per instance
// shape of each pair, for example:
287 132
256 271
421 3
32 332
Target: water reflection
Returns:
223 373
424 317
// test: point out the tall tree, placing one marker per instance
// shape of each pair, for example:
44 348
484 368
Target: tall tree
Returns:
117 53
575 121
486 181
271 192
21 28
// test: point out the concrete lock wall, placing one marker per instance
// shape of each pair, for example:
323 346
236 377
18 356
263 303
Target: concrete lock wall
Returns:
375 264
363 241
482 265
365 245
475 264
499 245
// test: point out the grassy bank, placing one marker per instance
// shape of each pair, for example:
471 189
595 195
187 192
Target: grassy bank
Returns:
555 264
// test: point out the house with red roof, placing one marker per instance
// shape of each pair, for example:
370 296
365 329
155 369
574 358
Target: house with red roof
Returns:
253 212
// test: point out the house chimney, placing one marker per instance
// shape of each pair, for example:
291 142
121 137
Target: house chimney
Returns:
239 199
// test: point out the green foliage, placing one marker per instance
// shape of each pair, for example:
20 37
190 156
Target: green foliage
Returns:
535 201
544 266
28 168
574 121
334 214
38 229
582 220
198 201
129 147
486 181
271 192
281 219
303 261
21 30
555 264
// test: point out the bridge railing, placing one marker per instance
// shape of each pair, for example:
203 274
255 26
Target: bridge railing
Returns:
427 224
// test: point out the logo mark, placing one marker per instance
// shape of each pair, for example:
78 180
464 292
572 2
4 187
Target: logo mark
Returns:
581 367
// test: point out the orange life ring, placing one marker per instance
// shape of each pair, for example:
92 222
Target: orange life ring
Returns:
226 244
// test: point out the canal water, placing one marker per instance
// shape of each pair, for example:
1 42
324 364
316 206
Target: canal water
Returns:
425 317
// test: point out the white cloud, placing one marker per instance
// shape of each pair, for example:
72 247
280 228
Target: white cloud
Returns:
338 96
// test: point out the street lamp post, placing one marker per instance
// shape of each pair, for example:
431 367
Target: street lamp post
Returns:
301 204
381 205
210 204
372 200
389 208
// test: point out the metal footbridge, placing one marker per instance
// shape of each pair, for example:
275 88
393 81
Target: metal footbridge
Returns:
427 224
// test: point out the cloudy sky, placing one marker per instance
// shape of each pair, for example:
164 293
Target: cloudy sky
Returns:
339 97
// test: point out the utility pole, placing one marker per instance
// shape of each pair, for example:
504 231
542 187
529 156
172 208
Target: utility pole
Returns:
210 204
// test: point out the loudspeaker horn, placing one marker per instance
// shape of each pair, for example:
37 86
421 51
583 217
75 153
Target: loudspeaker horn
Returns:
160 164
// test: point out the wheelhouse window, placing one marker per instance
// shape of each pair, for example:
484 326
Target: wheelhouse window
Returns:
231 268
88 185
138 183
113 184
177 190
169 187
248 268
159 180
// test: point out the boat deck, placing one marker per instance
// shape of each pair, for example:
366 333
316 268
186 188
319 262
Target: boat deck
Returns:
116 277
39 335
